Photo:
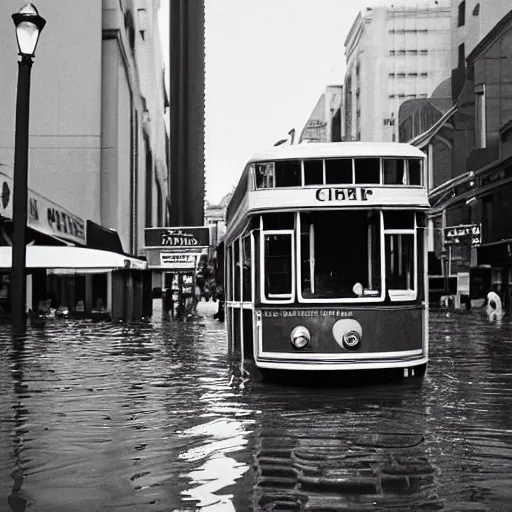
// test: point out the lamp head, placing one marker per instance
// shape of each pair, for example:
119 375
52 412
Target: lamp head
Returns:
28 29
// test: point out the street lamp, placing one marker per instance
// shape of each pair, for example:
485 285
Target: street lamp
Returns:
28 28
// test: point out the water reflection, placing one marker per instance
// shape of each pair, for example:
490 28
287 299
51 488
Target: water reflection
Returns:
154 417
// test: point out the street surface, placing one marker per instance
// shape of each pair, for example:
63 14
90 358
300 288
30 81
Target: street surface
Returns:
99 418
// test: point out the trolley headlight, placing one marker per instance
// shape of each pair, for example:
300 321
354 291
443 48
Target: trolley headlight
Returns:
351 339
300 337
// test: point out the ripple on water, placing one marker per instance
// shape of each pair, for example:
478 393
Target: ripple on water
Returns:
154 417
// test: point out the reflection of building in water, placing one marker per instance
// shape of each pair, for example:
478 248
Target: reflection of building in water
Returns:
393 53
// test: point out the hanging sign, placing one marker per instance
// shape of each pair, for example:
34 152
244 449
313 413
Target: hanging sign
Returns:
177 237
463 234
177 261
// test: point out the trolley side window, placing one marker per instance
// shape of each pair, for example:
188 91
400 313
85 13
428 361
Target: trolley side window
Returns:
401 254
277 269
246 269
265 175
236 270
229 273
393 171
288 173
415 171
367 171
313 172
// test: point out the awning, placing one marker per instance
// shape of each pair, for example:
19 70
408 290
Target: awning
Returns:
72 258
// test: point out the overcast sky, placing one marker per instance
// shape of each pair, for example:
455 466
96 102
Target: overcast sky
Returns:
267 63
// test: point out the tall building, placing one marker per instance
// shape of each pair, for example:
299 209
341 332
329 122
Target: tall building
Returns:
471 21
393 53
324 123
97 158
187 115
469 150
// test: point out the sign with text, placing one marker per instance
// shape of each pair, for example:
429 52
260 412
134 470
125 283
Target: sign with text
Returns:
177 237
463 234
44 215
177 261
346 194
291 313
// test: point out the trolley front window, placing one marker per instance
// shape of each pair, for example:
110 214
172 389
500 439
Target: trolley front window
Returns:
340 255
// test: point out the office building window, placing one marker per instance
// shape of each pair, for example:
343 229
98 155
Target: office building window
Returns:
462 14
462 56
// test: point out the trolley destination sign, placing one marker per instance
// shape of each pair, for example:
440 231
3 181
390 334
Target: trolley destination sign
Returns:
343 194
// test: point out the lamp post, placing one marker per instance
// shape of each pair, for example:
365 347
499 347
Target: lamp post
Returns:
28 28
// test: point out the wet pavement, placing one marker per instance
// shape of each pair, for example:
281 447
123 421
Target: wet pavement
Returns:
97 417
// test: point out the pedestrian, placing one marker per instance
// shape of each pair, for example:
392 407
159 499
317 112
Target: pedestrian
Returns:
493 307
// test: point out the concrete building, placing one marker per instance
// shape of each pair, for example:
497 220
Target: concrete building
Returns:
393 53
324 123
473 186
97 131
471 21
98 156
187 50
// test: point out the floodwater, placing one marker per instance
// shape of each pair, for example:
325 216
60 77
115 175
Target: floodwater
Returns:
99 418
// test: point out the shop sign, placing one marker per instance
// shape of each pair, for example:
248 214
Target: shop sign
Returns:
177 261
463 234
44 215
192 237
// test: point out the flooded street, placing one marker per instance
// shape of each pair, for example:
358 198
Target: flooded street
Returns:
98 417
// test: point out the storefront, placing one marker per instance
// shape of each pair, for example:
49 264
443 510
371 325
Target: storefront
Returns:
86 282
72 263
176 253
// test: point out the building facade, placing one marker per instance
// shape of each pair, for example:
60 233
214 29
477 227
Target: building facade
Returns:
97 128
469 150
98 161
471 21
324 123
393 53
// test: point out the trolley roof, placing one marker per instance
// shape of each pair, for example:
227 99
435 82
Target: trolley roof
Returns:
339 150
